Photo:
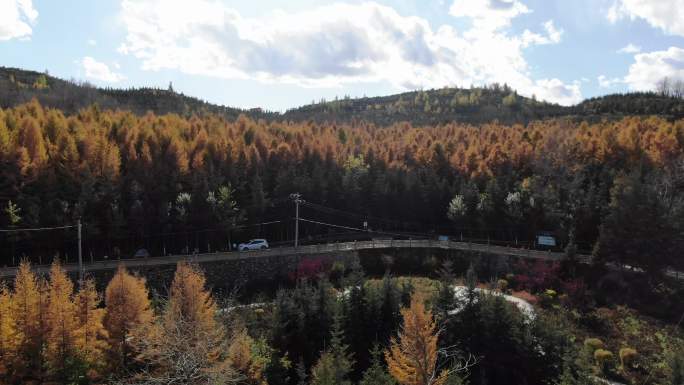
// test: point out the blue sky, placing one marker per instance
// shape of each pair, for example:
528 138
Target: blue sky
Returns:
279 55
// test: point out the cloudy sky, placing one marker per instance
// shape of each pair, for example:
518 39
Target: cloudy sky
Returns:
278 55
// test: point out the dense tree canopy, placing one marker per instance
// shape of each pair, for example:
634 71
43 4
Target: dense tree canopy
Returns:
162 182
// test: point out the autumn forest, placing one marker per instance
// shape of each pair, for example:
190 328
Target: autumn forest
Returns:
376 192
171 184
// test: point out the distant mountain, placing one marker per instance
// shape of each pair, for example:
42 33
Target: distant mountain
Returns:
430 107
19 86
480 105
635 103
437 106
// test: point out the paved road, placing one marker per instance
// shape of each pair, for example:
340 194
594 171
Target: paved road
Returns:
317 249
308 249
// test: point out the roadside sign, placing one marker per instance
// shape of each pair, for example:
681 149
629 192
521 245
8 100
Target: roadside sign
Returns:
546 240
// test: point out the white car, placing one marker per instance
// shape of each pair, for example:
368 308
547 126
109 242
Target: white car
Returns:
254 244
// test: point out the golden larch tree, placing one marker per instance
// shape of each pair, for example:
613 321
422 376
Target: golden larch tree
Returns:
127 308
186 344
27 308
92 336
242 359
190 303
412 360
7 333
61 320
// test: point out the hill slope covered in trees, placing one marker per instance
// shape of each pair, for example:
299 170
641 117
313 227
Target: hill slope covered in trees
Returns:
156 170
139 181
20 86
437 106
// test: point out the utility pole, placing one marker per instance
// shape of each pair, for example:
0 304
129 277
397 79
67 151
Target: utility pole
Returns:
297 198
80 254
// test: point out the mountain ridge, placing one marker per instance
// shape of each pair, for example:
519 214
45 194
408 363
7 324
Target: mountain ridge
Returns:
475 105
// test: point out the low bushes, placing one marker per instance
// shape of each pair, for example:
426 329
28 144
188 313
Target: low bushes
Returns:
603 358
627 357
593 344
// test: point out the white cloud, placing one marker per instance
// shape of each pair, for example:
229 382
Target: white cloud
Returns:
488 14
557 91
16 19
553 35
650 67
615 12
340 43
92 42
630 48
100 71
605 82
664 14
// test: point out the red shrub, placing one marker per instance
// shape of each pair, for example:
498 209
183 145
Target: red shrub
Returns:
537 276
575 289
526 296
310 268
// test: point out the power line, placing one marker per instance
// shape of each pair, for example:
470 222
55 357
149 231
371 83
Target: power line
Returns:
37 229
365 217
352 228
257 224
216 229
348 214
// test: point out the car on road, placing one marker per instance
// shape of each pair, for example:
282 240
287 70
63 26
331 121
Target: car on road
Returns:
141 253
254 244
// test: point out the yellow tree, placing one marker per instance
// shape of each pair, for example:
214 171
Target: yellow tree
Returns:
7 333
127 308
187 345
27 308
92 336
242 359
61 320
190 303
412 360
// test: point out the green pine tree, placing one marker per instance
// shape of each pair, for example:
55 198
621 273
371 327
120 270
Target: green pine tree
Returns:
336 363
445 299
359 322
376 374
389 317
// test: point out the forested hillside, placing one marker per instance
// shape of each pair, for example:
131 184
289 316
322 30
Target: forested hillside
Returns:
197 181
21 86
636 103
475 105
172 184
429 107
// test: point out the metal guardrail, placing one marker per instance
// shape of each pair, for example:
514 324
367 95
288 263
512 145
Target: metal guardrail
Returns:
317 249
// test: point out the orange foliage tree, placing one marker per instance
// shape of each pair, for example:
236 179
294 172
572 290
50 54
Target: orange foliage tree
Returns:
8 342
61 320
186 344
190 302
241 358
128 307
92 336
28 307
412 360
